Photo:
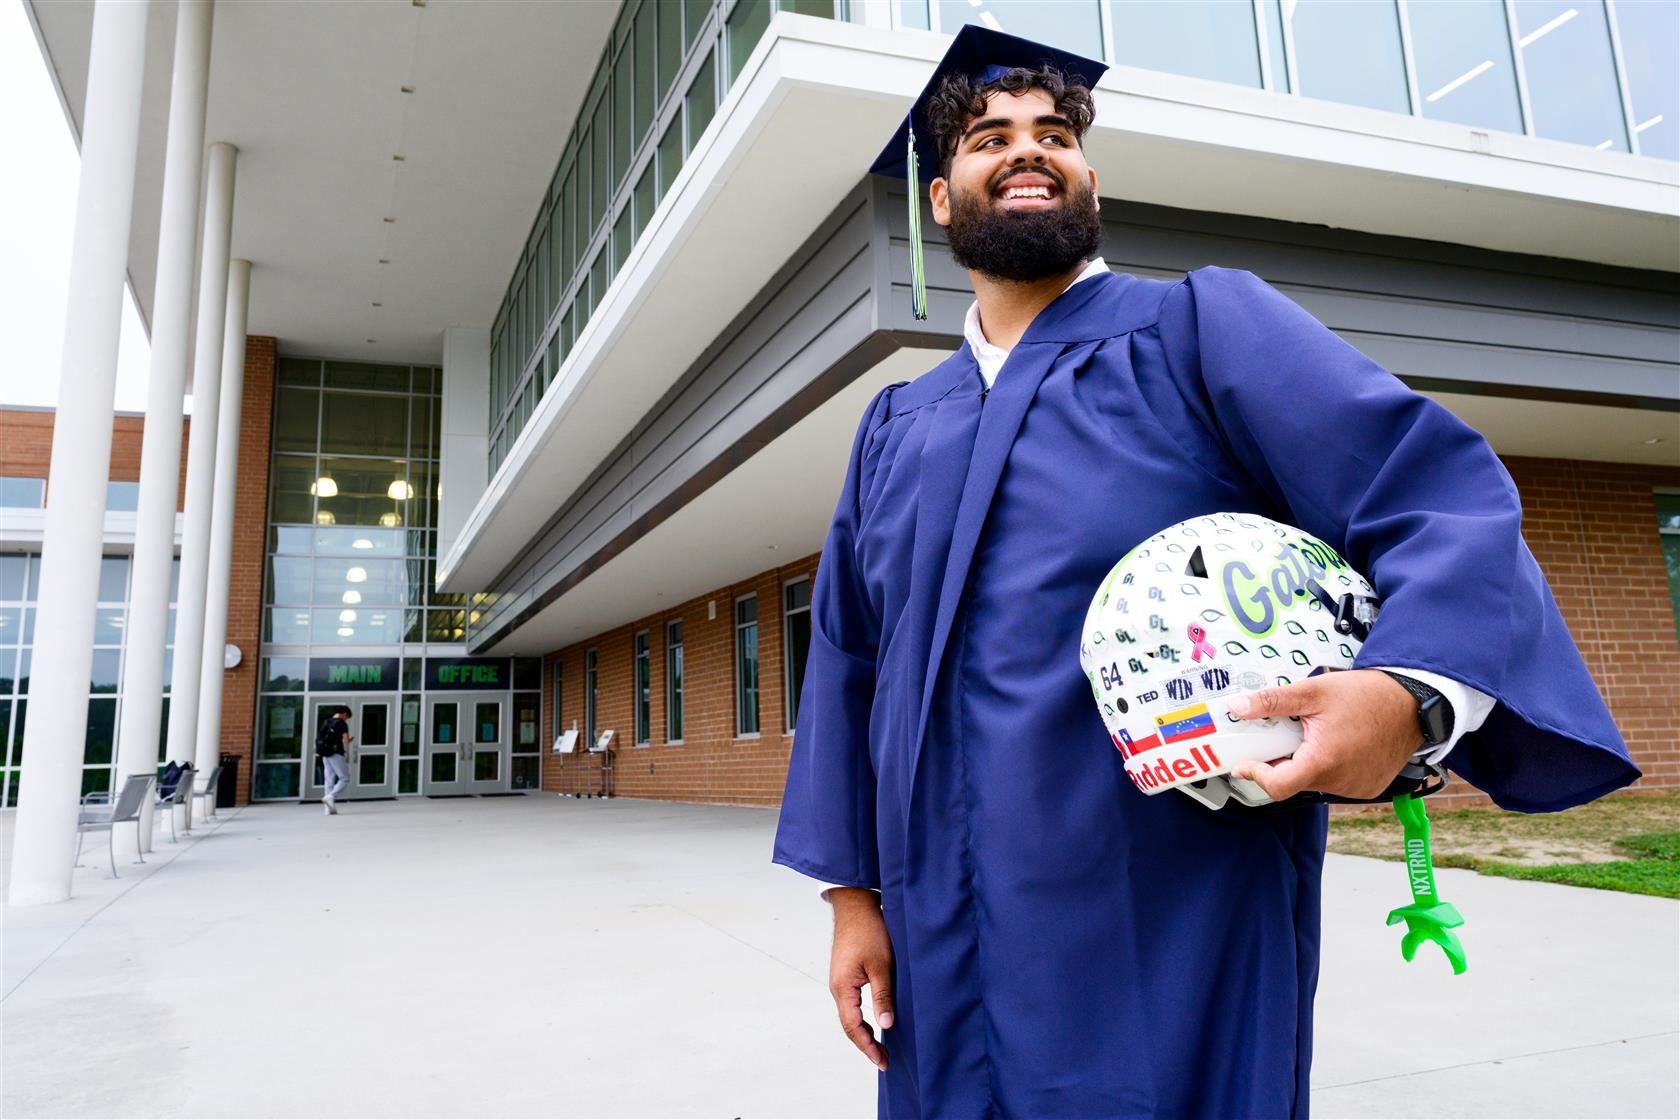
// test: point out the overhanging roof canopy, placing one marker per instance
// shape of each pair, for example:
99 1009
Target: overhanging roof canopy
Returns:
313 96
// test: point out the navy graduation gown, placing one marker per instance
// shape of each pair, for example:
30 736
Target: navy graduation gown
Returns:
1065 945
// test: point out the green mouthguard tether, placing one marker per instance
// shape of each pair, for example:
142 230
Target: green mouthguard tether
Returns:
1427 918
918 269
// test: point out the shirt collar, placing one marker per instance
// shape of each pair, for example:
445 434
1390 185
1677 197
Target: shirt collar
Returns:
984 351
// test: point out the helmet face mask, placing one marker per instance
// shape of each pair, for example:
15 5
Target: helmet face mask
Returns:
1200 613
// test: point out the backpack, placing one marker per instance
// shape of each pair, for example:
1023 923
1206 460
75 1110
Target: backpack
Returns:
329 740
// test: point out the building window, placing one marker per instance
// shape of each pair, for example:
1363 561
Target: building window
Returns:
589 707
1573 90
22 493
796 642
1350 53
1212 39
746 666
674 681
1073 26
122 497
644 690
1668 525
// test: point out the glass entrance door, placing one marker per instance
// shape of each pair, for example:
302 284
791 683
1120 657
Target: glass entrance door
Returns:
369 757
488 756
444 771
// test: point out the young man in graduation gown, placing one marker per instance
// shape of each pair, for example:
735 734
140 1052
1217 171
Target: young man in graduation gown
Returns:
1039 938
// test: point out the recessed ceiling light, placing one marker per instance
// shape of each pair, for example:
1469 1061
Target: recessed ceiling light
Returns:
407 89
399 159
1653 441
376 303
372 341
389 221
384 260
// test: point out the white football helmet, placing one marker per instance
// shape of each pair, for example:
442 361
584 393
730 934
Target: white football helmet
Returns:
1204 611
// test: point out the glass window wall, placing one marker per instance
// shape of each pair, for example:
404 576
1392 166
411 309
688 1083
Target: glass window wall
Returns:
1213 39
1462 51
1573 88
20 577
654 92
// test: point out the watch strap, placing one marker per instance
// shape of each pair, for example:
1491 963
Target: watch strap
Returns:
1435 722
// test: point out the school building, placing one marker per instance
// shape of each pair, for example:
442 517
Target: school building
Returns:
526 344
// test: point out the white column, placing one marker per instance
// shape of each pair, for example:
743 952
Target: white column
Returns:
201 455
44 840
220 571
160 452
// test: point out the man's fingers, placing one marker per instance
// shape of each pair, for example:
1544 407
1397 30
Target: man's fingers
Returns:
880 989
1281 780
1298 699
849 999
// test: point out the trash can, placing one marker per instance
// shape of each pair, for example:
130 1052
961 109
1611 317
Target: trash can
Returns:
227 788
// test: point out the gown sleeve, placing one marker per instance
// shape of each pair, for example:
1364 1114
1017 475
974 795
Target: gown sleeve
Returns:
1416 500
827 825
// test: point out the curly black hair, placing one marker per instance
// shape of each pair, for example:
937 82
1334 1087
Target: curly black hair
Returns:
960 98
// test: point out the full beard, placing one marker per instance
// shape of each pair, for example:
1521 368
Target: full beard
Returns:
1024 245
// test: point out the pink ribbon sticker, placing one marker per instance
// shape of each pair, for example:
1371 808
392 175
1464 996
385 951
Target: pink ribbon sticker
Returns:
1199 643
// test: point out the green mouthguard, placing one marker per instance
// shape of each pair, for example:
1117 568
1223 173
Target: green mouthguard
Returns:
1427 918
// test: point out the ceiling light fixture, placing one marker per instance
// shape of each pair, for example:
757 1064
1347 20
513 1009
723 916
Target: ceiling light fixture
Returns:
389 221
406 89
324 487
347 616
325 517
389 520
372 341
384 260
357 574
346 632
1653 441
399 491
361 542
397 158
351 596
376 303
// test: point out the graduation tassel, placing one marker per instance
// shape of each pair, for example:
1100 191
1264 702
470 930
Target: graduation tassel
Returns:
918 268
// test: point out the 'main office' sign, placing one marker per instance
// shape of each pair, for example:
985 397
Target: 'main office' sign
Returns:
353 674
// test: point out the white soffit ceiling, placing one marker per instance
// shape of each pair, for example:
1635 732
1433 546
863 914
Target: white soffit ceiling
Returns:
312 96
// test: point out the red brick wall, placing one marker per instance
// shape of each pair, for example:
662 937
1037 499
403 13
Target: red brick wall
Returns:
26 447
1592 526
250 529
711 763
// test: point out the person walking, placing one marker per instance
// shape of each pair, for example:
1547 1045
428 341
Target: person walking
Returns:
331 743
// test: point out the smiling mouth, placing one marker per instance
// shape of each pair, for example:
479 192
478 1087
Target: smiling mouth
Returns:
1027 189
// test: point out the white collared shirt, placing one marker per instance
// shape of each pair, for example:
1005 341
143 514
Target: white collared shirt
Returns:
991 358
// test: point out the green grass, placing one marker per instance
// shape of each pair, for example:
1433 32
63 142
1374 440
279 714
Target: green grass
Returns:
1660 877
1623 843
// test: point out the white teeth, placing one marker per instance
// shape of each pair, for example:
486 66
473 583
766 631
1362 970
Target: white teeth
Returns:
1027 192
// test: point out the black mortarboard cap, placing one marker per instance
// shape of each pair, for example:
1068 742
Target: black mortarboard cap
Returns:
913 152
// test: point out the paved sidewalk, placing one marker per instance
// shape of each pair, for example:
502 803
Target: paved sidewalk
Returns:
532 956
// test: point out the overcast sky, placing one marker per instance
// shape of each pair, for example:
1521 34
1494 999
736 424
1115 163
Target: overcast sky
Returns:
37 220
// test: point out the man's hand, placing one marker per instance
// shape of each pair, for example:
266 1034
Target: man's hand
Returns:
862 955
1360 728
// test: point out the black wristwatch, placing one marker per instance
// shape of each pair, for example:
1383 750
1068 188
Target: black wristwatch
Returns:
1435 713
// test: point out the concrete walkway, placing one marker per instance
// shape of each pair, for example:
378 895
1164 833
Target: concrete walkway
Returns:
530 956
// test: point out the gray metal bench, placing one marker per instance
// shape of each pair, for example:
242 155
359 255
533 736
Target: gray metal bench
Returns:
209 791
178 796
127 808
